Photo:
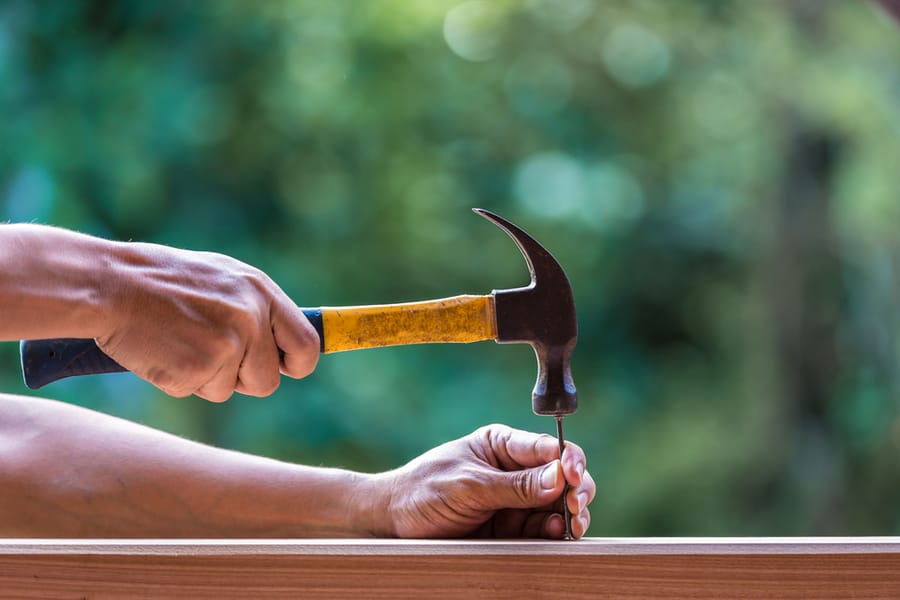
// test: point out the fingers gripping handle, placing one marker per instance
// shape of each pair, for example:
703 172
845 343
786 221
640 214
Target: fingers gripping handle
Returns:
46 361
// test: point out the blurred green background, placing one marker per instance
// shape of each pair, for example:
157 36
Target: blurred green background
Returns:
719 179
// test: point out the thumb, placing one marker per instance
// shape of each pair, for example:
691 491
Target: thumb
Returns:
530 488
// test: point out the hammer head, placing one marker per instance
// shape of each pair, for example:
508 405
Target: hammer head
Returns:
541 314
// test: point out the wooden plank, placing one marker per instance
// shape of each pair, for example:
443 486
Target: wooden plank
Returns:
713 568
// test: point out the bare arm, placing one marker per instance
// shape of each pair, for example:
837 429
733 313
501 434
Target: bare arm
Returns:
67 471
70 472
188 322
53 283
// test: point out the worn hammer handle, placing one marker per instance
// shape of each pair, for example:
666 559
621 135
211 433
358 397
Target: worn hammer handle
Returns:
459 319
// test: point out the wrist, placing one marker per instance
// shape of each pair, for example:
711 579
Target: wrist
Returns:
116 285
54 282
83 272
372 503
101 279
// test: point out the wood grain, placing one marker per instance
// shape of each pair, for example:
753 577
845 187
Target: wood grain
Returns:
718 568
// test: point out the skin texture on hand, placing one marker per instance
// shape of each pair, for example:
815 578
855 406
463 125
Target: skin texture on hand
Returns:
204 323
496 482
66 471
188 322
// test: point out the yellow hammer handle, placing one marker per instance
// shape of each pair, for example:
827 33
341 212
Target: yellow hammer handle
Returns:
460 319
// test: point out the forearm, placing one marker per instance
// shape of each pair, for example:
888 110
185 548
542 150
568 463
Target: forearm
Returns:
52 282
70 472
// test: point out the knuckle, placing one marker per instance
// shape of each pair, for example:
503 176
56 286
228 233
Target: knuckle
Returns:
492 432
310 337
541 442
231 344
169 382
161 378
304 366
192 366
255 318
311 362
470 482
483 432
216 396
264 388
272 386
258 278
175 393
523 486
480 441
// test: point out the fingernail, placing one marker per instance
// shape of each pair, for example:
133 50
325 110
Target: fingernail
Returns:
579 466
555 526
550 476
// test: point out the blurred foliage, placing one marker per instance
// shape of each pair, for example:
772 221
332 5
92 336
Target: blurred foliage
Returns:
719 179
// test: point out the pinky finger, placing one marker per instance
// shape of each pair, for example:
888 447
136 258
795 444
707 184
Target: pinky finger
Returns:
581 523
528 525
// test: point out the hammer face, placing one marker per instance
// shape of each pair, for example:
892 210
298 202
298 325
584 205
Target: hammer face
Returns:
545 319
554 392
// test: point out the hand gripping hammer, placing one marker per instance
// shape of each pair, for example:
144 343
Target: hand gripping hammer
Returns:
541 314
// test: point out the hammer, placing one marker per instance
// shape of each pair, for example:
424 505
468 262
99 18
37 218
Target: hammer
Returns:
541 314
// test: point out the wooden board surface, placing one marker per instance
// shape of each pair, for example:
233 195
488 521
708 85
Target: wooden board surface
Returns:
715 568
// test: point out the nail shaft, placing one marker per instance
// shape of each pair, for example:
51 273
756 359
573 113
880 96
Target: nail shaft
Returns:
567 516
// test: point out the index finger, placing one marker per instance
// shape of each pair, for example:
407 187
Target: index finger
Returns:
573 463
513 449
296 338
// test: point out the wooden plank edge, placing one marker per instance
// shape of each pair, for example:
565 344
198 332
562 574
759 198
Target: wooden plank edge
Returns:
724 546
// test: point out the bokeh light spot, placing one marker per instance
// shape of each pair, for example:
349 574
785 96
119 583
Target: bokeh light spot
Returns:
563 16
550 184
604 196
471 30
635 56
